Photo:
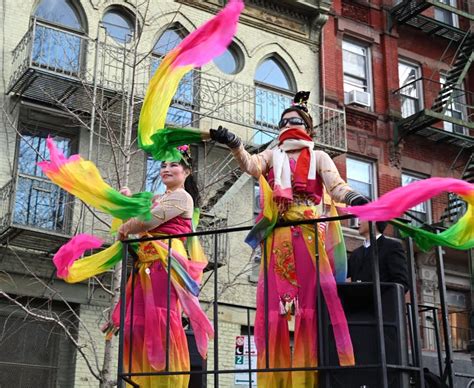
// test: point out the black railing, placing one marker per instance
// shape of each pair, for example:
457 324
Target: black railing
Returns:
381 367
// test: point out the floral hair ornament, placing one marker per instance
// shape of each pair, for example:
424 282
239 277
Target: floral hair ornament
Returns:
301 100
185 152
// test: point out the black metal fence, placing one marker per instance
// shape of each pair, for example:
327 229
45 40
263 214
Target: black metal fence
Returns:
412 368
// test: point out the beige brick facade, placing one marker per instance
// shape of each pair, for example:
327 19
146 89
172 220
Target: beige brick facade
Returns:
267 30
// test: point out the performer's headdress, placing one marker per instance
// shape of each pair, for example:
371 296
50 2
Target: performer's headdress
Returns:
185 151
300 105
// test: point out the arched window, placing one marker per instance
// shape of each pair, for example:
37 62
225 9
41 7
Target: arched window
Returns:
273 93
119 24
180 112
58 49
59 12
231 61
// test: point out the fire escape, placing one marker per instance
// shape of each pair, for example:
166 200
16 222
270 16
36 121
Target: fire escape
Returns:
446 117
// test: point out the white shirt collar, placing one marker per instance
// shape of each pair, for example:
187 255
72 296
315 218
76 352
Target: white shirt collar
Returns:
367 242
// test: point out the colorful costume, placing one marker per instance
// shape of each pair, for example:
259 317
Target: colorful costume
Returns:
172 214
296 173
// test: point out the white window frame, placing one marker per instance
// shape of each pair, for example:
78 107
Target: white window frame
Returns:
418 177
441 11
450 127
353 222
418 86
368 69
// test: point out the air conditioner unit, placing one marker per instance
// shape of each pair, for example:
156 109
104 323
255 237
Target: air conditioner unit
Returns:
356 97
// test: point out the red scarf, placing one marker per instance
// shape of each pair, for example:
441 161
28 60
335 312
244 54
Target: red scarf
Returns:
300 175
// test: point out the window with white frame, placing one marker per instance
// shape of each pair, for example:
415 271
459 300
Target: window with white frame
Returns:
410 88
456 109
446 16
357 72
420 211
361 177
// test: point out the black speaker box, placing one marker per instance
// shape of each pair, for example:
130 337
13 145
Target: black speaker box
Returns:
358 303
197 380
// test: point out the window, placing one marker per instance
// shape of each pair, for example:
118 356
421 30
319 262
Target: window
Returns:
445 16
58 49
60 12
455 109
230 62
356 64
39 203
410 88
35 353
420 211
180 111
153 182
273 94
118 25
361 177
459 311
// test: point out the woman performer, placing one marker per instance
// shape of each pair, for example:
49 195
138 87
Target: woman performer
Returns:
297 174
172 214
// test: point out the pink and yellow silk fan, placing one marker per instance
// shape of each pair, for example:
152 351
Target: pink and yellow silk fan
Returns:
392 205
198 48
82 179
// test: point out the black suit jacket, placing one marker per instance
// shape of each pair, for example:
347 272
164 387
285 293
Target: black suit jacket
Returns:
392 263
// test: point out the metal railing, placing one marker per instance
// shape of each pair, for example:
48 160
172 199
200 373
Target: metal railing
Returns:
201 95
36 203
5 205
217 371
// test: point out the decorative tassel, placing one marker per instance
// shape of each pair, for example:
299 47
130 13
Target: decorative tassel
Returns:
282 308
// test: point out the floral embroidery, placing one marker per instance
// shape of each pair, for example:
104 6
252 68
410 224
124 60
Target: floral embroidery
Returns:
285 262
147 252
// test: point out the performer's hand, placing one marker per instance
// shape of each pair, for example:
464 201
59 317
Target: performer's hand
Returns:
359 200
125 191
224 136
122 233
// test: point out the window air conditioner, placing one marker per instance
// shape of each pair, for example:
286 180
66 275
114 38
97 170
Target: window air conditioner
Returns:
356 97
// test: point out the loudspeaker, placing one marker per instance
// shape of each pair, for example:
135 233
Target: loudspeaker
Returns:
197 380
358 303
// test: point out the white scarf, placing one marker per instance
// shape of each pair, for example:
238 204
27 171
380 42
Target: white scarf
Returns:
282 169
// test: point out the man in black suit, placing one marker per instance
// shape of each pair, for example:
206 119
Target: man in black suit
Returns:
392 260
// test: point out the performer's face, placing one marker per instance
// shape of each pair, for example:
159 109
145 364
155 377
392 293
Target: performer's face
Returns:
173 174
292 120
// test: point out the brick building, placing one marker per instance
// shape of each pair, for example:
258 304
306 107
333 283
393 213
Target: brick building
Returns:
402 70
